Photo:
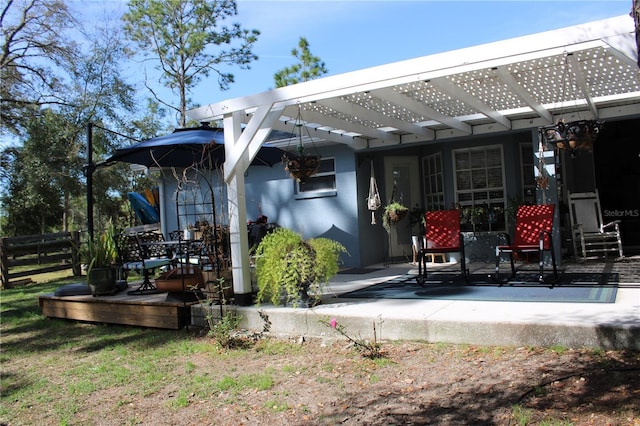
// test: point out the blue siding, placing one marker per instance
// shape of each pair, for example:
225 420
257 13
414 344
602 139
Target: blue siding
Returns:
271 192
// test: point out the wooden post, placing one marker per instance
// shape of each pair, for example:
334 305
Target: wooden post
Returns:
4 265
75 253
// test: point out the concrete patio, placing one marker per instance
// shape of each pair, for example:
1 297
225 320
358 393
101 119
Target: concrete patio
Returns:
596 325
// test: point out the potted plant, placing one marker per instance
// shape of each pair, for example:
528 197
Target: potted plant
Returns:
473 216
100 256
393 213
301 167
293 271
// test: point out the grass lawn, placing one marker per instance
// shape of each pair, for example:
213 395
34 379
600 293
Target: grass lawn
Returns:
59 372
55 371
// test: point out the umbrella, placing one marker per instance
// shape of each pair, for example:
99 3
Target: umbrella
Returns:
202 146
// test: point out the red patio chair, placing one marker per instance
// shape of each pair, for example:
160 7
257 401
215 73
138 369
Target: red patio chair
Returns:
442 236
532 235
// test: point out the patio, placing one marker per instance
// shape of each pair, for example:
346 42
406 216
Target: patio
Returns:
603 325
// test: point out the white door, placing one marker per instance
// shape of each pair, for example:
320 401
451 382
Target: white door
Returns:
402 173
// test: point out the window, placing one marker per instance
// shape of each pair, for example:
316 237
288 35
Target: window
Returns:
322 184
433 183
480 191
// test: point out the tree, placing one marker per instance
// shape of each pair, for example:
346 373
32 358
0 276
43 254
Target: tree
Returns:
34 45
189 41
307 68
44 176
97 93
37 175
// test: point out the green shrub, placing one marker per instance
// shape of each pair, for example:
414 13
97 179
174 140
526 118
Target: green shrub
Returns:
290 269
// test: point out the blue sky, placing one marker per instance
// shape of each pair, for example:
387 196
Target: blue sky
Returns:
357 34
352 35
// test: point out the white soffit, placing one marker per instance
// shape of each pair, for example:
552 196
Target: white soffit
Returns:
589 70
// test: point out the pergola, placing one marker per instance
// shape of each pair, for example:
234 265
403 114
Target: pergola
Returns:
583 72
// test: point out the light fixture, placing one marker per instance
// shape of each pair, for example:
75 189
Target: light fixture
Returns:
574 136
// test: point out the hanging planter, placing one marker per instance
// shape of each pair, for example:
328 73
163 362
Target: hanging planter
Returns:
574 136
394 212
300 165
373 200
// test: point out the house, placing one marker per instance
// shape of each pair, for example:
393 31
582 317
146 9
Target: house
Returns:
455 128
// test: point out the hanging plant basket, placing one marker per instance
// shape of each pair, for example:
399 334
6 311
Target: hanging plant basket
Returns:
301 167
393 213
396 215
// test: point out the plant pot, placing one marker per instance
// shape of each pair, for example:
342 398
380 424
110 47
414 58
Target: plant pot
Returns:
396 215
178 280
302 300
102 281
306 300
302 167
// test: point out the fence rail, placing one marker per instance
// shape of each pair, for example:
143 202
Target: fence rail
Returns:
45 252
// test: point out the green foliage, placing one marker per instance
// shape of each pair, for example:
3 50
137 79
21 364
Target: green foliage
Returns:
473 215
43 174
307 68
237 385
101 251
287 265
222 321
277 347
392 208
521 415
276 405
182 35
222 330
39 176
327 258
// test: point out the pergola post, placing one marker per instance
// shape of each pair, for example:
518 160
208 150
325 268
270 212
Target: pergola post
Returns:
237 210
241 146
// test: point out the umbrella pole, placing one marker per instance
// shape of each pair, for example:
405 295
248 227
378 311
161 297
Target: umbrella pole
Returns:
89 169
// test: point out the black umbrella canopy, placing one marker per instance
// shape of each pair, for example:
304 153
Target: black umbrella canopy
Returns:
199 146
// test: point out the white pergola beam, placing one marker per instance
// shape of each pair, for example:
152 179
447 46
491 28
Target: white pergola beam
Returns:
582 84
511 82
366 114
422 109
248 144
355 142
448 87
336 123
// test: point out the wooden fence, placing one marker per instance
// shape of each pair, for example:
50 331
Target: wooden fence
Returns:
40 253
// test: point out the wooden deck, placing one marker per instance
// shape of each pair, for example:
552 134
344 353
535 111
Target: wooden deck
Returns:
162 310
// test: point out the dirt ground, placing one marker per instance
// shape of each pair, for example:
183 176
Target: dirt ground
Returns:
412 384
